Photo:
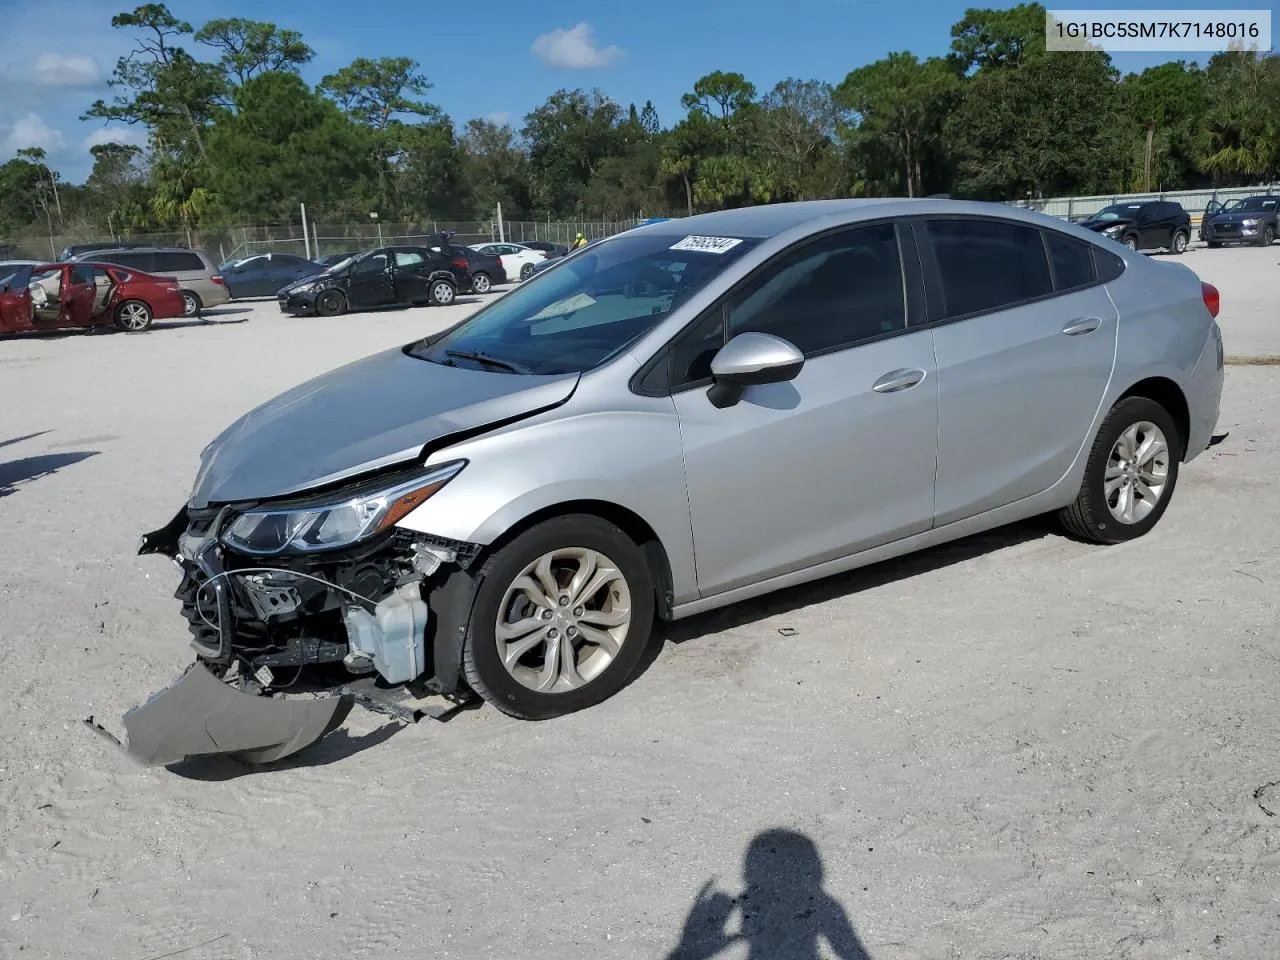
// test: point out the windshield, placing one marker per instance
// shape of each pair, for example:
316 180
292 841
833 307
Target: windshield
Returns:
589 308
1258 204
1125 211
344 263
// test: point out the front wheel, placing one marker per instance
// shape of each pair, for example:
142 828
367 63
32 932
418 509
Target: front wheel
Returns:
442 293
133 316
1131 242
1214 244
562 618
1268 236
1130 475
331 303
1180 241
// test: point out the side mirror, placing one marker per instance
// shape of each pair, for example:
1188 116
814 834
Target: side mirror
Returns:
751 359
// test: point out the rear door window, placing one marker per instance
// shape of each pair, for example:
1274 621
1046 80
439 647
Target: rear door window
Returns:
407 258
178 262
987 265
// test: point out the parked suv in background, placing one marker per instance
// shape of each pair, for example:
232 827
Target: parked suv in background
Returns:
1144 225
1253 220
197 275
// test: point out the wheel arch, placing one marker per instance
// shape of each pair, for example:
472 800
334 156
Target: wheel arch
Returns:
625 519
1169 395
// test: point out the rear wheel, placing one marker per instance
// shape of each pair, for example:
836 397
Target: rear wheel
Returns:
331 303
133 316
190 303
1180 241
442 293
1130 475
562 618
481 283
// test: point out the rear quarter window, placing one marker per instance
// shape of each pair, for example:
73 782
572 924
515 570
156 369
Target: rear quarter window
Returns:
1107 265
139 261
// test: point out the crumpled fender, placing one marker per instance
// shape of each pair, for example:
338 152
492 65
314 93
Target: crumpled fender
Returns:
200 715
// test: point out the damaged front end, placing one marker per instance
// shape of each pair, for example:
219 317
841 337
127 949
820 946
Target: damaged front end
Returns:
299 610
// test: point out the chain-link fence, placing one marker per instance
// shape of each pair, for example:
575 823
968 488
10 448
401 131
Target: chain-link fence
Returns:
321 239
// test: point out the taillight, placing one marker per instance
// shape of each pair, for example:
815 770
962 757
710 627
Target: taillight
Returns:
218 280
1212 299
460 262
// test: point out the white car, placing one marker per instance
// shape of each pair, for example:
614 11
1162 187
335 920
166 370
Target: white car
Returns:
518 261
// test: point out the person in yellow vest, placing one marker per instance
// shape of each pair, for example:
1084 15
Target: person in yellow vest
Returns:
579 241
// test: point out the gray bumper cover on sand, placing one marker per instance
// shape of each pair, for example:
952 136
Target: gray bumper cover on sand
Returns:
200 715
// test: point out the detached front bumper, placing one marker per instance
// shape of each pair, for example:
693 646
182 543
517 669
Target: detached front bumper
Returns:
200 715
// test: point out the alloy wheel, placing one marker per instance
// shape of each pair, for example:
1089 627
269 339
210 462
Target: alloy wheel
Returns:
563 620
1137 472
134 316
190 305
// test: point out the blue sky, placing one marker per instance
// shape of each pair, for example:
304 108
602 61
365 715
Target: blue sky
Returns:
497 58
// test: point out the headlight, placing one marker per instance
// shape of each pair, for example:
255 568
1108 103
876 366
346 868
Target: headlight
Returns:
1115 228
329 526
1248 223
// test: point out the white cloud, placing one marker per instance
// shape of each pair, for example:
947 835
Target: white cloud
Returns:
574 49
111 135
501 118
55 70
31 131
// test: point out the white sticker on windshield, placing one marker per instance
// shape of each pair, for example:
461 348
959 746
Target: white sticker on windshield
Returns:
707 244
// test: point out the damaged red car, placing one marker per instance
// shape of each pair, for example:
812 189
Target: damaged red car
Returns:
57 296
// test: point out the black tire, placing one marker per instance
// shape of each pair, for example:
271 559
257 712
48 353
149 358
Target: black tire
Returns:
191 304
526 271
1090 517
134 316
1268 236
331 303
1180 242
481 664
443 293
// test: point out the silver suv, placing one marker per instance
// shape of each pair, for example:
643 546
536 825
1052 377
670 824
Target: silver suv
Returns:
197 275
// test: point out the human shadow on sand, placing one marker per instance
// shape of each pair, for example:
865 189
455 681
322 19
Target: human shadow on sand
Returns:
336 746
783 913
15 473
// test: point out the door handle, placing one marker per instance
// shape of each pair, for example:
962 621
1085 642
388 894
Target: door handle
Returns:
1081 325
897 380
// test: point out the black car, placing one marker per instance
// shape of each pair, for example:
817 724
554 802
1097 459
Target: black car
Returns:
264 274
379 278
550 249
1254 220
483 270
1144 225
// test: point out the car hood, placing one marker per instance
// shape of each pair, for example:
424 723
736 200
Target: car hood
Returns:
1236 217
373 413
309 278
1099 225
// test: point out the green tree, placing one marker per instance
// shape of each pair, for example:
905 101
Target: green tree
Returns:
496 169
568 138
249 47
903 103
1240 138
283 145
378 92
1164 106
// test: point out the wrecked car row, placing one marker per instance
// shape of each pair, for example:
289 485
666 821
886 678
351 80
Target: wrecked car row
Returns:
681 417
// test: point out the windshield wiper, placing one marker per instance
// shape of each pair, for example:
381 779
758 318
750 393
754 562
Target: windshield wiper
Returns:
485 358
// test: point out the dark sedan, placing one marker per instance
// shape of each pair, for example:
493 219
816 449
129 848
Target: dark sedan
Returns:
1255 220
379 278
263 275
483 270
550 249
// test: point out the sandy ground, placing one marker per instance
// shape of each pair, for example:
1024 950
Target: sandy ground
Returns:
1017 746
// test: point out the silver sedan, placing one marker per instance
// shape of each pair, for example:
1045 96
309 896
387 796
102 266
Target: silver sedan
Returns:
687 415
